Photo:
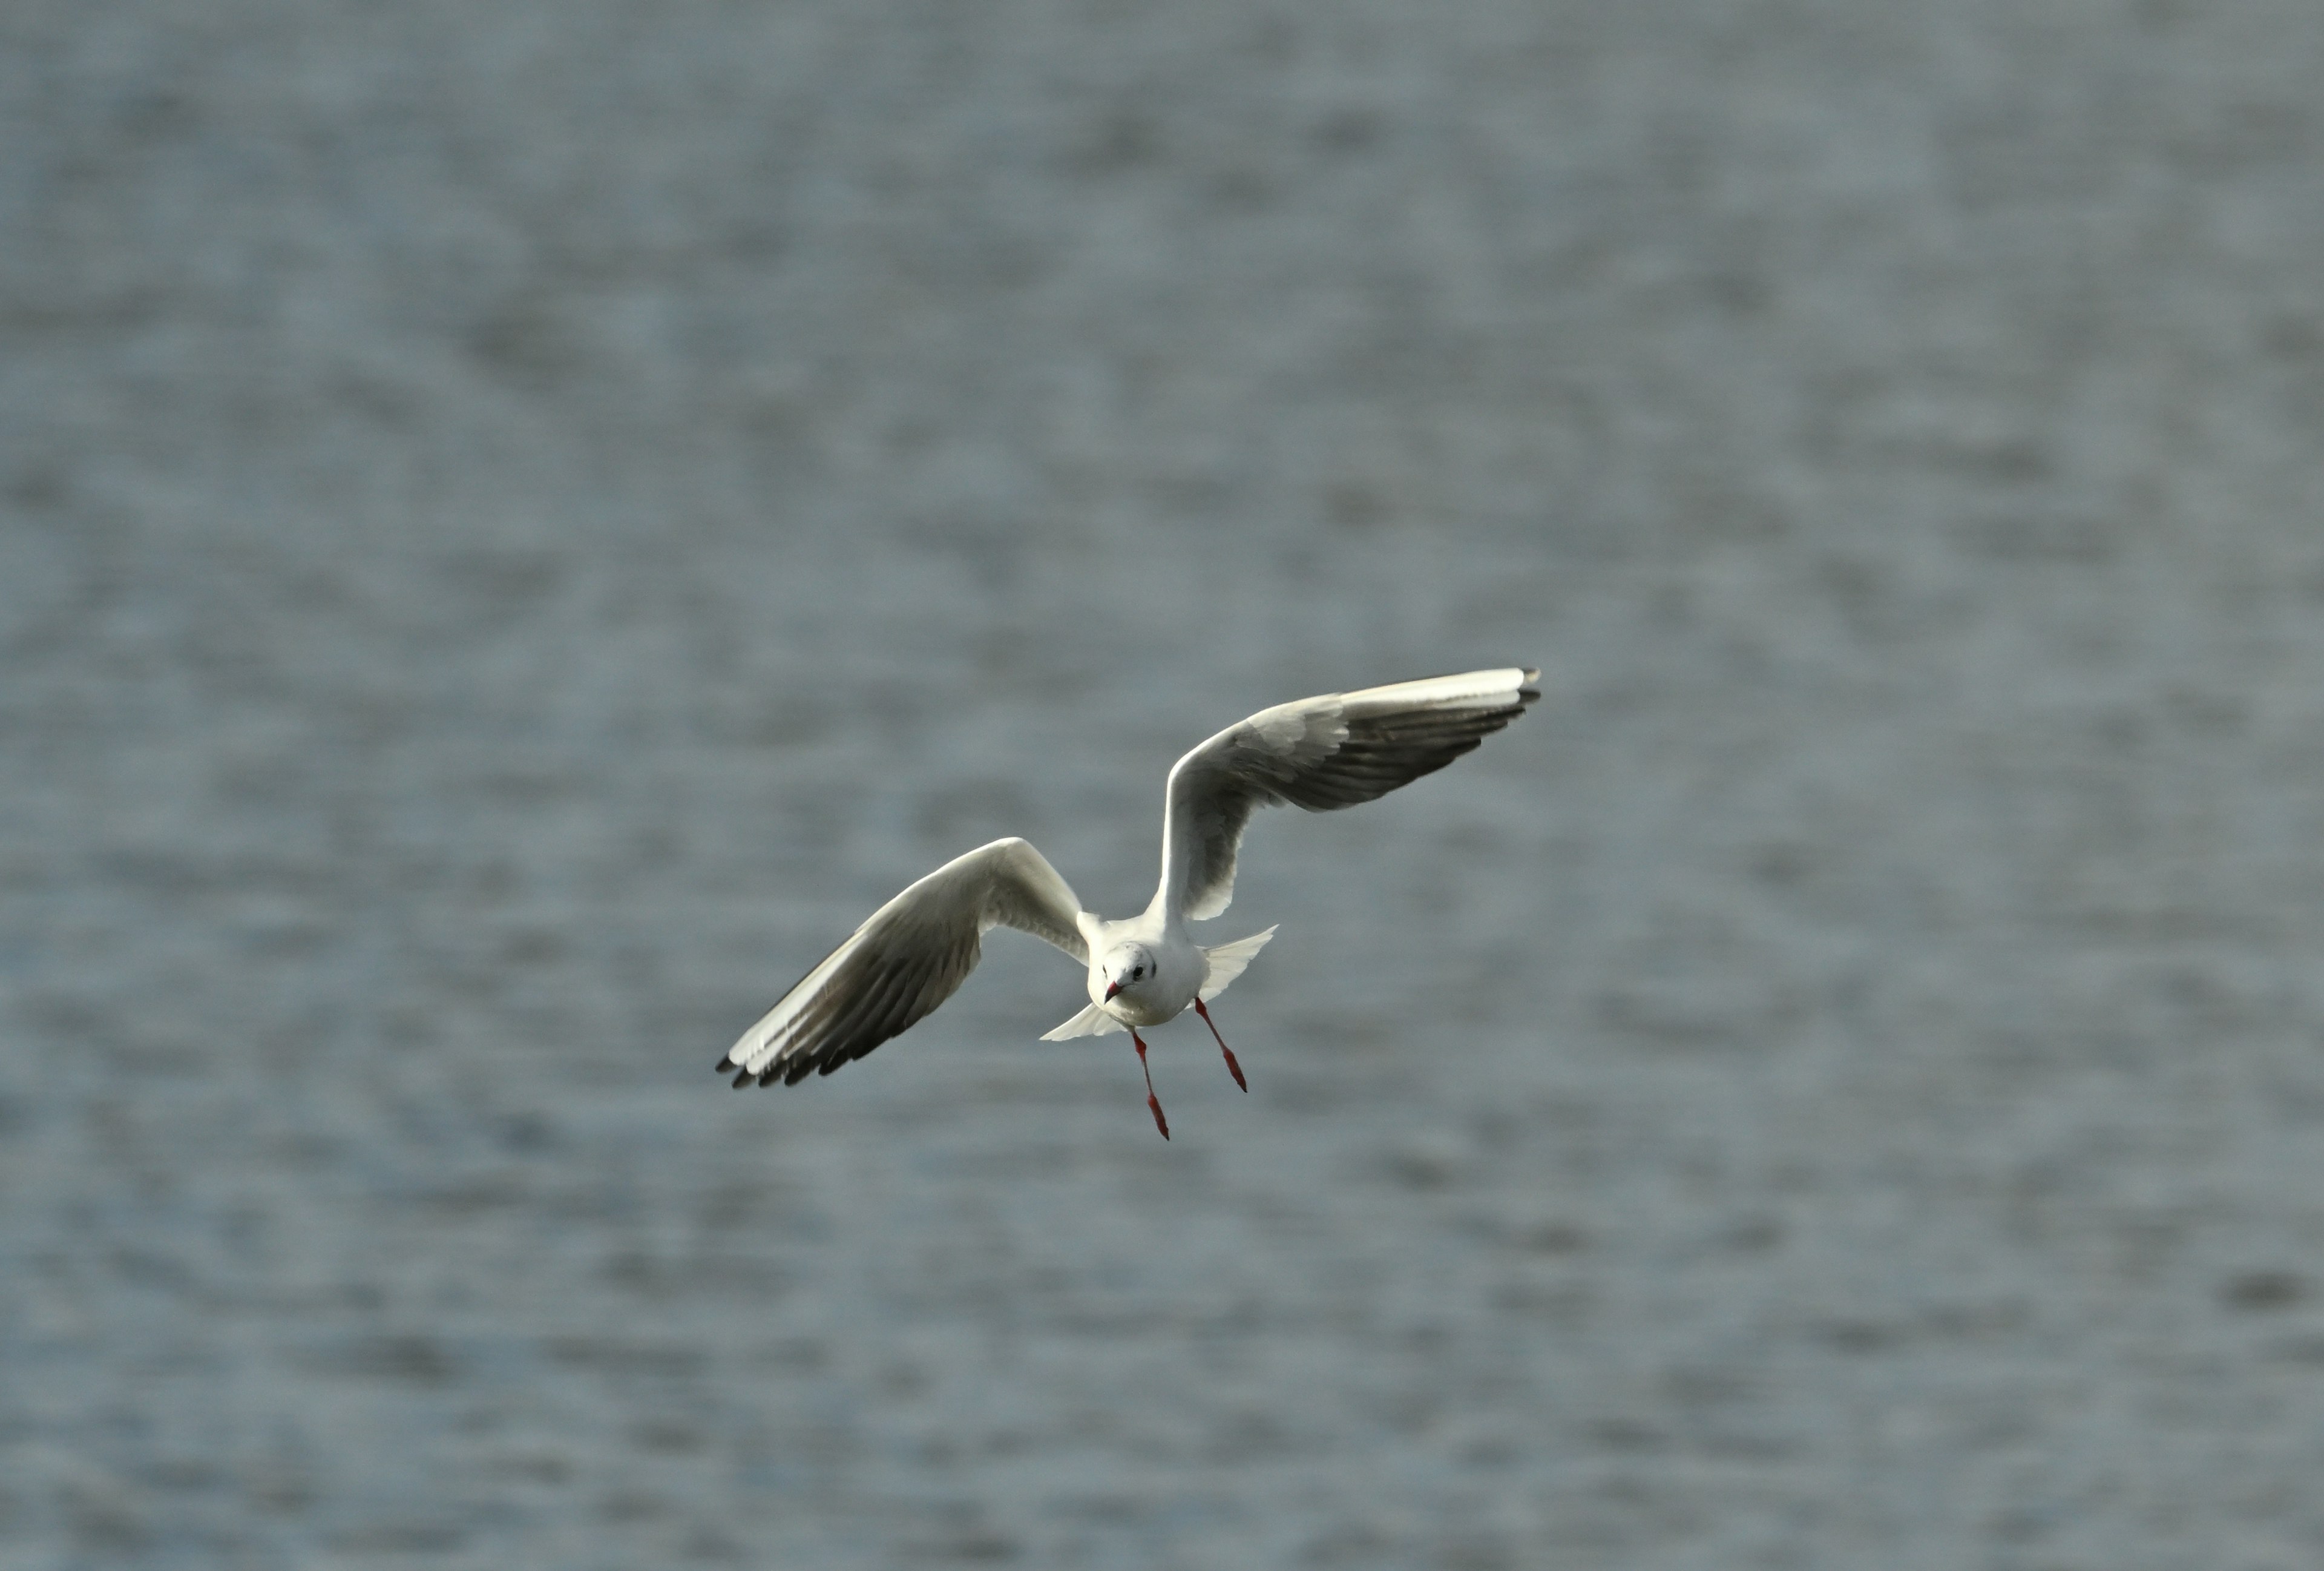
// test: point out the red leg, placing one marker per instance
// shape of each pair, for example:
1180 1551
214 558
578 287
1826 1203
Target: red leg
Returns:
1232 1068
1153 1104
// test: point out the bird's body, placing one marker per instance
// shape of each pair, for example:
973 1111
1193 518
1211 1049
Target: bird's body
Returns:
1319 753
1165 977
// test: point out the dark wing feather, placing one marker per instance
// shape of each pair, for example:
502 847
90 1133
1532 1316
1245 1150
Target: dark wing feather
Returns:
910 955
1320 754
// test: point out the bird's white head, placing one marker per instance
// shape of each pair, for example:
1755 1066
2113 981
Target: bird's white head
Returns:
1127 968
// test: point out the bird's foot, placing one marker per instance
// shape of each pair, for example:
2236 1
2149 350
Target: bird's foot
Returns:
1232 1068
1153 1103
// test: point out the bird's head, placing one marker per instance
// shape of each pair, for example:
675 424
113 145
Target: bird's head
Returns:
1128 967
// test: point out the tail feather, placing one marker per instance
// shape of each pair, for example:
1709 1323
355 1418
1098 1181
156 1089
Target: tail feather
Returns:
1221 967
1092 1021
1225 963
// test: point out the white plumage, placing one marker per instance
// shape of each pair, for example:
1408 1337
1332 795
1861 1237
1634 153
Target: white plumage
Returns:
1320 754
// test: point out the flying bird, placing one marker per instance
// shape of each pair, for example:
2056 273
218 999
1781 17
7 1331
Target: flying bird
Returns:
1319 753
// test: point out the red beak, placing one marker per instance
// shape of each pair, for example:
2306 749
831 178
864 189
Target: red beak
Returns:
1111 988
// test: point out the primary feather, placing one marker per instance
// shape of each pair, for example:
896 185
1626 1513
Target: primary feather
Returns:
908 957
1320 754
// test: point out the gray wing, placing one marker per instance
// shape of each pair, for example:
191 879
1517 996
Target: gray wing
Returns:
1319 753
910 955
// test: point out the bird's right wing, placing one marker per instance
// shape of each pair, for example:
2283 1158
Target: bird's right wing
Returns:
1319 753
910 955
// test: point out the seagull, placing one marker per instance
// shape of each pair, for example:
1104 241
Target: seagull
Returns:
1320 754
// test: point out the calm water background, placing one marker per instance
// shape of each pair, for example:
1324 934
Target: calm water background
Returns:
519 524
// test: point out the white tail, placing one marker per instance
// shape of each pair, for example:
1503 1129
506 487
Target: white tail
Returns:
1220 967
1225 963
1092 1021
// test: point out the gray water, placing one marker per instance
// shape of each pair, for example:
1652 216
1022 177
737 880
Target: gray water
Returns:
519 524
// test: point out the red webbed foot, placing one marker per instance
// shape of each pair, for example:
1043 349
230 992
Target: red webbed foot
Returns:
1232 1068
1153 1103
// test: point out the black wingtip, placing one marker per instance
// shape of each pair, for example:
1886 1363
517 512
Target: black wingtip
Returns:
743 1079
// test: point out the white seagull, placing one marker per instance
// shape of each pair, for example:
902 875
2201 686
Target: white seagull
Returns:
914 952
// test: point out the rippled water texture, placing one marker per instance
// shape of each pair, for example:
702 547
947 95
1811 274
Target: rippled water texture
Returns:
519 524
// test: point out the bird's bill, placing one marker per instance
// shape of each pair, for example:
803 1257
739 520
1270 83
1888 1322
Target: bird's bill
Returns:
1110 989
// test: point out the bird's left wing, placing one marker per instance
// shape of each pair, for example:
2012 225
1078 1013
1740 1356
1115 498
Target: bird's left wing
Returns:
1320 754
910 955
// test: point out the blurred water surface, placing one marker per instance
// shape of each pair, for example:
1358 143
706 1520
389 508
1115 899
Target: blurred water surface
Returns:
520 524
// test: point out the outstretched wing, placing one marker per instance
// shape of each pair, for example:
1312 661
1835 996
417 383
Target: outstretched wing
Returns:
910 955
1319 753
